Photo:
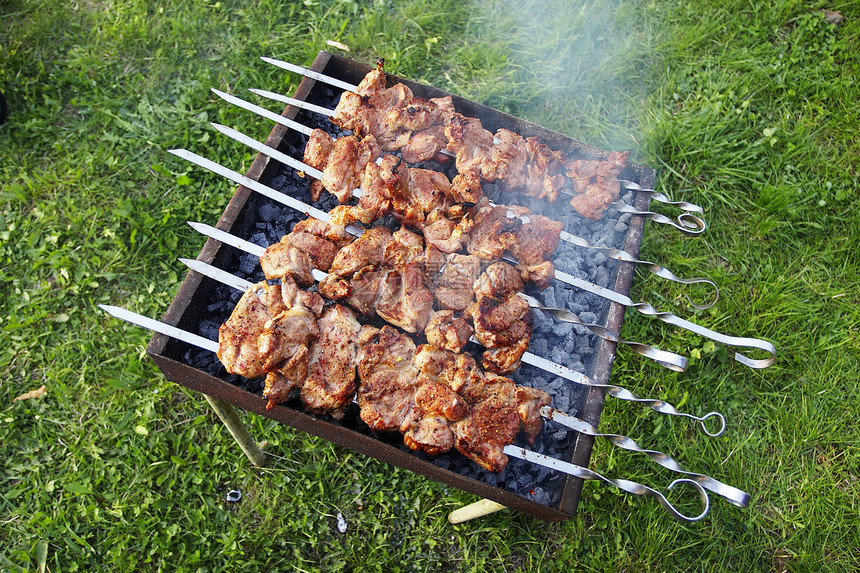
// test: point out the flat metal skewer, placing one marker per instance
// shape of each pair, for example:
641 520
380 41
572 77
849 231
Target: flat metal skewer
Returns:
610 252
643 308
513 451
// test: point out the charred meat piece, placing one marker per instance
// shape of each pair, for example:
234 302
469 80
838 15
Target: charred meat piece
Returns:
536 242
424 145
493 231
366 250
345 167
469 141
544 177
454 289
502 320
331 370
404 299
595 183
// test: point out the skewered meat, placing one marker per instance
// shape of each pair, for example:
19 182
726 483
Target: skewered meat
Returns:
596 183
404 299
387 377
421 128
330 383
449 330
497 412
286 259
345 166
237 338
456 283
503 321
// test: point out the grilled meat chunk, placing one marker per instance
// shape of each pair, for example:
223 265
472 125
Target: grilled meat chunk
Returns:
331 370
387 377
238 338
449 330
505 161
345 166
596 183
404 299
286 259
454 289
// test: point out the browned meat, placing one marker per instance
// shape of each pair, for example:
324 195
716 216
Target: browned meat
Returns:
404 248
454 289
493 231
482 435
595 183
499 409
331 374
536 242
502 320
505 161
320 251
493 319
318 149
544 178
286 259
387 374
449 330
345 168
442 232
424 145
498 280
530 401
466 188
404 299
330 231
366 250
348 110
469 141
379 184
237 338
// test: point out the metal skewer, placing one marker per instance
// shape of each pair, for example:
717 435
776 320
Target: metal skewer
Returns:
666 359
643 308
610 252
517 452
527 358
687 223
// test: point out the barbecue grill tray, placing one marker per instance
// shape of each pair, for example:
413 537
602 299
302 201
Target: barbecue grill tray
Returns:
193 303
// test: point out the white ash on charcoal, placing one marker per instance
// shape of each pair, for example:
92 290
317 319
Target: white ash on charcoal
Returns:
264 222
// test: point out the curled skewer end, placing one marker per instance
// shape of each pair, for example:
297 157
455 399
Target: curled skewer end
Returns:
690 224
722 422
703 495
710 304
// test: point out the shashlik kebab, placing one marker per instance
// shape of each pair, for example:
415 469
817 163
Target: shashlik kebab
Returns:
436 397
448 333
420 129
564 235
618 298
667 359
509 450
337 165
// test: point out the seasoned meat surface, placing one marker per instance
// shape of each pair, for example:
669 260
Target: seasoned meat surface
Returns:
331 371
237 338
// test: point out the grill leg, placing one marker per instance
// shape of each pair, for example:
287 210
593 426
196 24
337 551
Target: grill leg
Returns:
474 511
240 433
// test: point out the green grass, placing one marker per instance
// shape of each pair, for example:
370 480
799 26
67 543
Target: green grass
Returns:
748 109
